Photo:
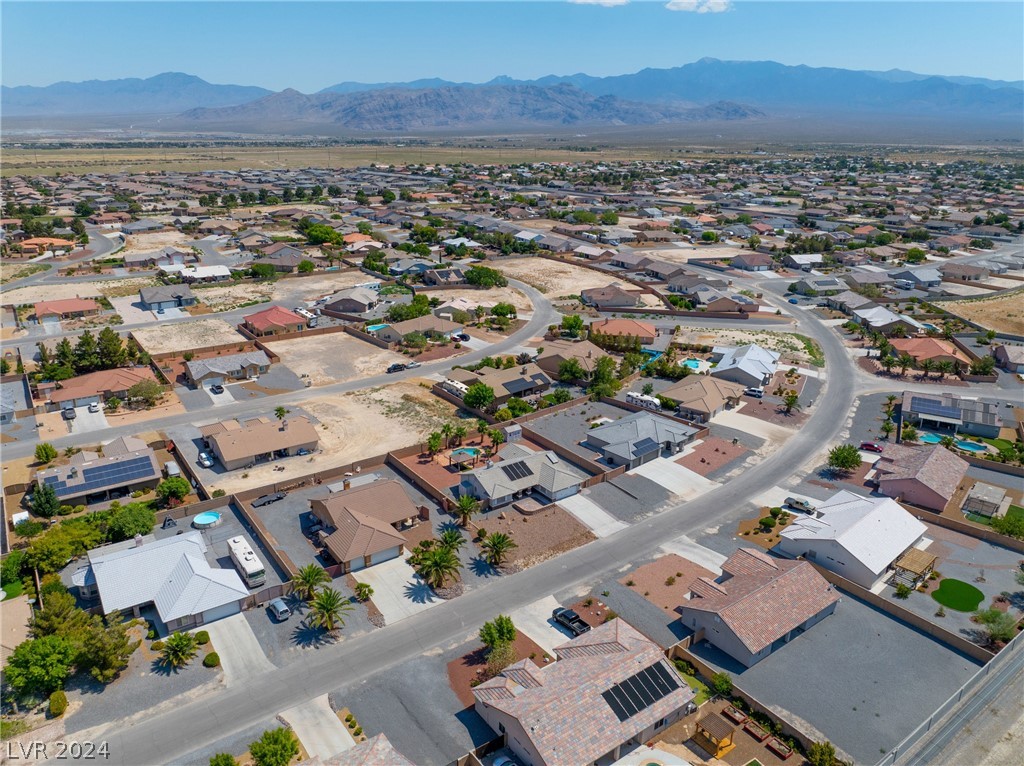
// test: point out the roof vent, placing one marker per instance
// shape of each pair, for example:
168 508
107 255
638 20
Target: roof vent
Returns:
138 541
552 457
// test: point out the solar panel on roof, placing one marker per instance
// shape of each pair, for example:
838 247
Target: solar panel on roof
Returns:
640 691
516 471
932 407
617 708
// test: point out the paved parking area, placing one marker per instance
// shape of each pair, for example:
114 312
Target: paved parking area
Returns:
287 521
86 422
630 497
398 592
677 479
840 677
693 551
318 728
600 522
760 428
535 621
131 310
240 653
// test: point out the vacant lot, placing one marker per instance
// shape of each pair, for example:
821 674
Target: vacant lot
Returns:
183 336
1003 314
113 288
333 358
147 243
554 278
787 344
486 297
301 289
233 296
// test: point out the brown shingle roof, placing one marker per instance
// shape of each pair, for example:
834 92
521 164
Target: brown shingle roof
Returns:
363 517
935 467
261 435
101 382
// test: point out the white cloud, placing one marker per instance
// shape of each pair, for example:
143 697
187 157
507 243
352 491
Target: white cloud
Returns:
699 6
604 3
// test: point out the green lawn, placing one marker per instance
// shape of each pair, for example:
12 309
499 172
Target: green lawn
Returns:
13 589
1015 512
958 595
700 689
754 762
977 518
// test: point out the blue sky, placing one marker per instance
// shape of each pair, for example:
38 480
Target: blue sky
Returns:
310 45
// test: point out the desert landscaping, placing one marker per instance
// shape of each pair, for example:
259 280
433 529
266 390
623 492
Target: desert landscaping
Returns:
183 336
1002 314
333 358
551 277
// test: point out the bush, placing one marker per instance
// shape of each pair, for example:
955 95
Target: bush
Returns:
202 638
151 634
350 717
685 667
212 660
218 493
903 591
157 646
767 523
358 731
722 684
58 703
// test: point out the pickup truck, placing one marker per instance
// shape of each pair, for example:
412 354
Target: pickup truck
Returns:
569 619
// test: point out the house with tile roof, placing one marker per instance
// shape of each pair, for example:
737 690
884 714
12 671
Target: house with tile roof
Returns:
67 308
98 386
926 476
750 365
700 397
625 328
257 440
932 349
856 537
375 751
757 605
563 349
610 296
638 438
519 473
1010 358
752 262
521 381
363 523
275 320
610 690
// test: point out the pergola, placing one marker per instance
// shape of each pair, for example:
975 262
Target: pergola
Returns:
915 564
715 734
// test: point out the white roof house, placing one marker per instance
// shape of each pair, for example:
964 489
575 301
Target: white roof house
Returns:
751 365
879 317
854 536
199 273
172 574
520 472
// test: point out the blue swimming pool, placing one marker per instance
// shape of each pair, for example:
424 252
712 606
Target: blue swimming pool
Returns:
471 451
972 446
693 364
375 327
206 520
929 438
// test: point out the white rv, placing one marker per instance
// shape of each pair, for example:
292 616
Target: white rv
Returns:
247 562
643 400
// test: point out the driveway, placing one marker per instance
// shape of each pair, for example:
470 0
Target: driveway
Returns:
398 592
318 728
695 552
131 310
677 479
765 430
240 653
775 497
600 522
535 621
86 421
219 400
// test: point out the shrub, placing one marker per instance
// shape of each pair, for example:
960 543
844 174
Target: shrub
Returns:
151 634
58 703
218 493
350 717
202 638
767 523
722 684
223 759
610 616
685 667
903 591
212 660
630 583
775 512
157 646
358 731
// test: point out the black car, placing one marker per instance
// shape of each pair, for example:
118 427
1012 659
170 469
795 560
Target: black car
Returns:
396 367
461 337
217 389
263 500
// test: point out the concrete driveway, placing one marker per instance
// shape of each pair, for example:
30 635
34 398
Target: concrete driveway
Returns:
131 310
600 522
89 421
677 479
219 400
240 653
775 497
398 591
535 621
754 426
695 552
318 728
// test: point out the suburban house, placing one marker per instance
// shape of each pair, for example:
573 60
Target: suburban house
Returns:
963 272
444 277
749 365
43 245
638 438
238 444
664 270
561 350
520 381
1010 358
757 605
920 278
753 262
362 523
924 476
645 332
859 538
429 325
931 349
610 690
98 387
167 256
803 261
949 412
881 319
691 283
67 308
192 274
274 321
848 302
700 397
142 226
167 297
15 400
520 473
354 300
375 751
280 250
611 296
127 464
409 266
172 576
819 286
218 370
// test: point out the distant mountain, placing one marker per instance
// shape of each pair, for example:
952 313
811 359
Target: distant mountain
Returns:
403 109
169 92
902 75
358 87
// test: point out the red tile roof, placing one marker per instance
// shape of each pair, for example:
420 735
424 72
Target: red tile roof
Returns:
65 306
275 316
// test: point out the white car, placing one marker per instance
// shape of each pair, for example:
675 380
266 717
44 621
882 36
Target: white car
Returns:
205 460
94 407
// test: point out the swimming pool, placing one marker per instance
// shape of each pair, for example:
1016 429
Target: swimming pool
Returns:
693 364
375 327
471 451
972 446
929 438
206 519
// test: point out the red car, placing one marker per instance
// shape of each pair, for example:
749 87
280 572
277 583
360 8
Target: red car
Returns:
870 447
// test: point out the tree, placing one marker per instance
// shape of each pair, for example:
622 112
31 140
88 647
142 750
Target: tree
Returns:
147 391
904 362
110 349
572 325
87 357
570 371
485 277
327 610
262 270
821 754
465 507
496 547
387 196
791 401
173 489
276 747
888 427
927 365
136 518
499 658
281 412
984 365
106 650
61 617
434 441
223 759
648 389
447 430
478 396
498 632
45 452
609 218
437 566
460 433
998 626
722 684
40 665
909 434
363 591
45 502
844 458
308 579
306 266
452 539
603 380
506 310
179 649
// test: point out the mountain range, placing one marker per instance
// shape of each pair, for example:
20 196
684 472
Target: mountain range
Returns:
706 90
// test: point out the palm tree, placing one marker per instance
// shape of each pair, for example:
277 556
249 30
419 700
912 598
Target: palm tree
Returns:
909 434
887 428
327 610
948 442
446 431
452 539
884 346
524 358
905 362
497 438
280 412
791 401
496 548
438 566
947 367
363 591
308 579
434 442
927 365
481 428
460 433
179 649
465 507
887 363
890 404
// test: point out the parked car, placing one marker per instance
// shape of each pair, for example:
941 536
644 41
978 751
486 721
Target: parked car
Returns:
217 389
396 367
304 451
413 365
205 460
569 619
263 500
94 407
171 469
757 392
461 336
794 301
504 760
279 609
800 505
871 447
69 413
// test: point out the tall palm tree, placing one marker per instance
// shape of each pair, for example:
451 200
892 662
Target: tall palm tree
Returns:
909 434
308 579
465 507
446 431
497 438
438 566
481 428
497 547
460 433
452 539
327 610
890 404
887 363
948 442
948 367
179 649
927 365
887 428
905 362
434 442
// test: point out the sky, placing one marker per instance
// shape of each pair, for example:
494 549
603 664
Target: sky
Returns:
311 45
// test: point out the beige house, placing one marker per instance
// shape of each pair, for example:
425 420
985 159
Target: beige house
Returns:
700 397
924 476
558 351
238 444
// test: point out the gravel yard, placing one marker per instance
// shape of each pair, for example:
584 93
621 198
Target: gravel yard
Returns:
551 277
787 344
540 536
59 291
182 336
230 297
333 358
147 243
665 582
488 297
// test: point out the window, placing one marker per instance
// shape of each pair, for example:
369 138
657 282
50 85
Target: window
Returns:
660 723
501 727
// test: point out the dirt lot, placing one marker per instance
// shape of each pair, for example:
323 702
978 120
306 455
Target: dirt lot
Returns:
554 278
147 243
333 358
540 536
712 455
785 343
232 296
300 289
486 297
665 582
1003 314
113 288
182 336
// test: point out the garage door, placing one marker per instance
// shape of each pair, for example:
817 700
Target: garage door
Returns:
390 553
221 612
356 564
51 319
213 382
86 400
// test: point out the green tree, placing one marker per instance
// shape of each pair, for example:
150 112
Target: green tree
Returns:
44 501
107 650
497 547
387 196
909 434
40 665
148 392
262 270
722 684
485 277
328 609
603 380
821 754
308 579
173 489
179 649
87 356
281 412
452 539
609 218
276 747
984 365
110 349
306 266
791 401
434 441
498 632
499 658
363 591
570 371
904 362
844 458
479 396
437 566
11 567
45 452
998 626
136 518
465 507
61 617
572 325
223 759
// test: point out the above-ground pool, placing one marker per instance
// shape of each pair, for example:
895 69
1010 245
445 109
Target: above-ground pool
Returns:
375 327
471 451
972 446
929 438
206 519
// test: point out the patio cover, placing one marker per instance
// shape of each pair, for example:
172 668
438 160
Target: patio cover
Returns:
916 562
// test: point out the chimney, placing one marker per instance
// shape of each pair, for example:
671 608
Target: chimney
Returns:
138 541
347 484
